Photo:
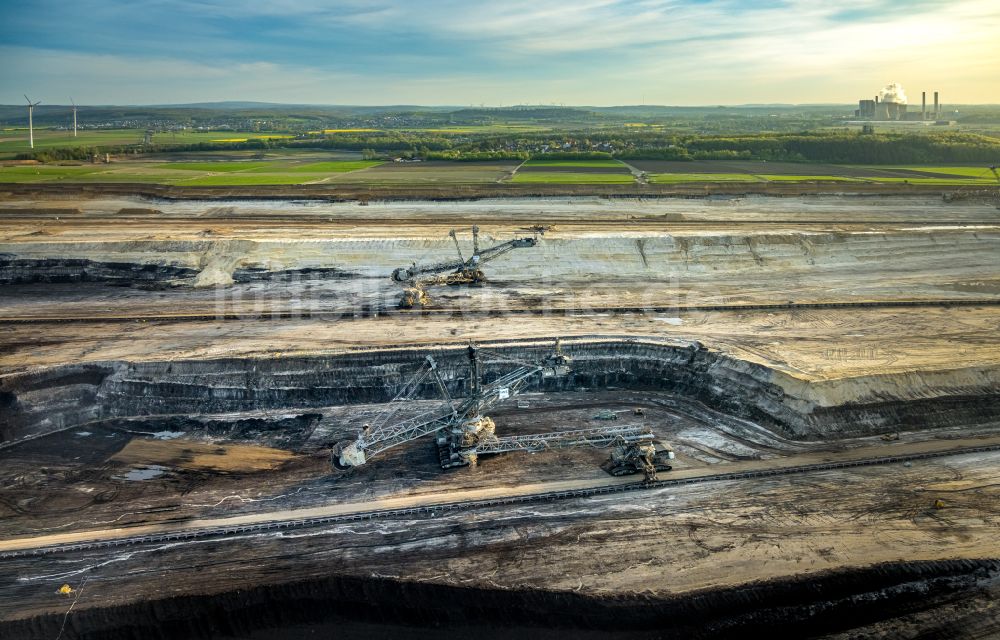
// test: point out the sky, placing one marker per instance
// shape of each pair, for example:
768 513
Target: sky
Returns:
471 52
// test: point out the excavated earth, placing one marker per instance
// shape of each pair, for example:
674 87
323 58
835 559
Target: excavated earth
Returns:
164 364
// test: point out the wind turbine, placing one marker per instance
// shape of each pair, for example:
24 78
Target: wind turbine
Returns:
74 115
31 129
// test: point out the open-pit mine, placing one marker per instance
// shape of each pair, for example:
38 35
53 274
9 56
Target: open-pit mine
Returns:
581 417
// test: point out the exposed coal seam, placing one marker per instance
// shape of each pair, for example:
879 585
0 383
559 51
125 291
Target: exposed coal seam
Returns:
84 393
802 606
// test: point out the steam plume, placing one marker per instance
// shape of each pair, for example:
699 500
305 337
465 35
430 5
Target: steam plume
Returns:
893 92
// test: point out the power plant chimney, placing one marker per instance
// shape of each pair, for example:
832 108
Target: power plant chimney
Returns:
923 105
937 108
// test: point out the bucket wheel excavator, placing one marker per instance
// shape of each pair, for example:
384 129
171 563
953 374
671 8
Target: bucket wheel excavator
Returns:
417 278
463 432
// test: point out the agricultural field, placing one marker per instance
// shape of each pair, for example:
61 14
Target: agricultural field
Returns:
278 172
978 173
589 171
569 177
214 167
254 179
435 172
669 178
15 140
338 166
671 172
485 128
573 165
293 167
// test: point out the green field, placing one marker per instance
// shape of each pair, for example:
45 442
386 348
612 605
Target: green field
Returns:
241 179
773 177
959 176
186 173
332 167
214 167
301 168
484 128
567 177
191 137
670 178
957 181
980 173
14 141
45 173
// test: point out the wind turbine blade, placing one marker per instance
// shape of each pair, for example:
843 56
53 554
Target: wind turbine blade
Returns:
27 98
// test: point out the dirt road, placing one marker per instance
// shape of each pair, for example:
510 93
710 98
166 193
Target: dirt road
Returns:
16 544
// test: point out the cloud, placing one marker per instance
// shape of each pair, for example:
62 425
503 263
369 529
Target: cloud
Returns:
461 51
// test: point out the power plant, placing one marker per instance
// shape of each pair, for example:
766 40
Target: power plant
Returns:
890 105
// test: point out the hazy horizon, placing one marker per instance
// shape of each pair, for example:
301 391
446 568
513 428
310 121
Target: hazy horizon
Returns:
448 53
265 104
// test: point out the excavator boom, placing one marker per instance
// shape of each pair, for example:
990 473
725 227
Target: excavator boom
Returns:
478 258
385 432
599 437
465 433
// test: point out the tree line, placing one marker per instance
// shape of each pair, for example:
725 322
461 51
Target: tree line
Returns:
827 147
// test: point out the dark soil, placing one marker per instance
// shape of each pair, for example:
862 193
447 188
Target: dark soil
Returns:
351 607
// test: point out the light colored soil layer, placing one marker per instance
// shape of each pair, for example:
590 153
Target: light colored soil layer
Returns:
809 345
599 253
827 209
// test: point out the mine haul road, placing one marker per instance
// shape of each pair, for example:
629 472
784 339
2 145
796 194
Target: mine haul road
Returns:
428 504
367 312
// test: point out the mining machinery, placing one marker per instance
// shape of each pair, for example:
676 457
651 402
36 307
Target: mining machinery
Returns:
989 195
463 432
996 195
462 271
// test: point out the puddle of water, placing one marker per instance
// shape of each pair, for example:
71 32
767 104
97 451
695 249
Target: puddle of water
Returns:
144 473
82 434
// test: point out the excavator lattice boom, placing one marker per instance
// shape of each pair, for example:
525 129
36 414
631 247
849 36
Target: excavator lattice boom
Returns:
453 272
464 432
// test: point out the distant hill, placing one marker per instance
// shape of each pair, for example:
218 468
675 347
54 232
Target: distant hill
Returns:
279 106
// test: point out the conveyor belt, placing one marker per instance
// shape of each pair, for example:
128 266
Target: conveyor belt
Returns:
452 507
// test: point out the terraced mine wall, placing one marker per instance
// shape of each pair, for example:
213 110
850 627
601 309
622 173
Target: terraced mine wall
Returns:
66 396
348 606
584 257
16 271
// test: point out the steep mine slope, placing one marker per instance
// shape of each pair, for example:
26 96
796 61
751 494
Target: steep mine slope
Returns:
64 396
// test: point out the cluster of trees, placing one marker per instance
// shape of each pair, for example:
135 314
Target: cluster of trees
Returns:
389 141
831 147
850 148
56 155
456 155
86 153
